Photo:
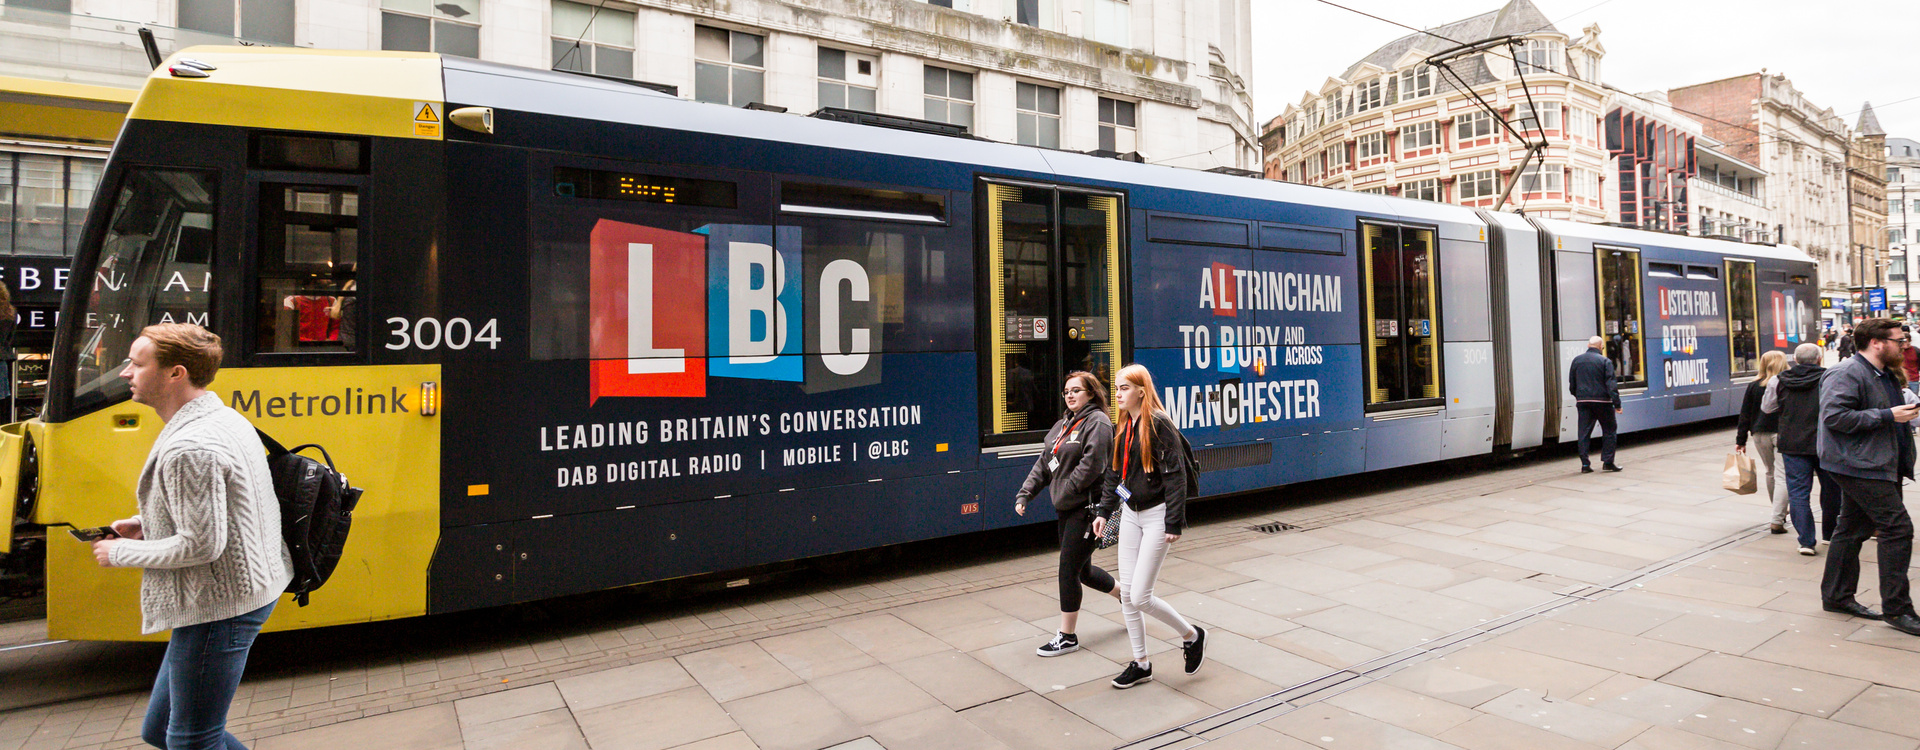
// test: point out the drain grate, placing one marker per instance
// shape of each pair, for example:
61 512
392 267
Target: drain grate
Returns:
1274 528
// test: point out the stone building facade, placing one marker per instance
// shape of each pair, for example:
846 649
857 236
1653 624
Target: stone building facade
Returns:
1762 120
1867 197
1162 78
1903 217
1392 124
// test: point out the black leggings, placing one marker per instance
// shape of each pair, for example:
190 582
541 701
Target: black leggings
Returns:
1076 559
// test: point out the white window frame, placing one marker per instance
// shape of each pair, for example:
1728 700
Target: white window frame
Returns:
730 65
238 28
1484 183
947 101
1524 120
1478 121
1419 135
1541 56
1542 177
608 20
1124 136
1038 115
435 18
1336 156
1369 146
1369 95
1424 190
1416 82
850 78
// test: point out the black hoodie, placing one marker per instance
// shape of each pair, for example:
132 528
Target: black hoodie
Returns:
1798 395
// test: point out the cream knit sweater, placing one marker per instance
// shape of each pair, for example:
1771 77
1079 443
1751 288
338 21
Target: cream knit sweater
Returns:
212 547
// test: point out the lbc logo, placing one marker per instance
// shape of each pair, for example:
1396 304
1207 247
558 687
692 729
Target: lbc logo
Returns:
669 309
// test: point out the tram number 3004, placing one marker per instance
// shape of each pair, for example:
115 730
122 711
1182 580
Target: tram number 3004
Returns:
430 334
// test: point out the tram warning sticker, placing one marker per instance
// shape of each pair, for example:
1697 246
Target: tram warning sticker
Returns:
426 120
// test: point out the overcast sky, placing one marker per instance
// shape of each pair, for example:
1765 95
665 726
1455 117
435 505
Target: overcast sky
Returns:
1651 45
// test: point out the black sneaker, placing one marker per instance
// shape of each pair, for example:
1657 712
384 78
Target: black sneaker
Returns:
1609 467
1062 643
1134 675
1195 650
1586 470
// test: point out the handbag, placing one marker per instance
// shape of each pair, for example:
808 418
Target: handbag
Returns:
1738 477
1111 534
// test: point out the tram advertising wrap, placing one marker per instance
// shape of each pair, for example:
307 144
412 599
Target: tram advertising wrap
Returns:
1692 326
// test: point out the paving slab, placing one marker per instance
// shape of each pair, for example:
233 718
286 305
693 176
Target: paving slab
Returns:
1030 722
1755 681
872 695
795 718
425 728
1403 708
958 680
1333 728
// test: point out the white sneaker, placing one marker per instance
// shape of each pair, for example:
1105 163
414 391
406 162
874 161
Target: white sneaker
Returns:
1808 551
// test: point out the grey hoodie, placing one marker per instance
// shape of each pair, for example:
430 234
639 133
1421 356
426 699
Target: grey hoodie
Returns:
1082 442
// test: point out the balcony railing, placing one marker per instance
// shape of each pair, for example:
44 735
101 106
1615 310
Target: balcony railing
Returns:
52 46
1726 192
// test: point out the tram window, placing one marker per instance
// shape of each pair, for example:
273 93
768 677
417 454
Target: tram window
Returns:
1620 320
1743 318
1666 270
1703 272
306 264
862 203
1403 330
152 268
1053 266
306 153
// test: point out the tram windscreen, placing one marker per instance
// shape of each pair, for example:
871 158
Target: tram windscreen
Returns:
152 268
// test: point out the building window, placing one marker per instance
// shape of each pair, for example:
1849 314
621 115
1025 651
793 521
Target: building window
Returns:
1424 190
849 80
1540 56
1416 81
43 202
1472 125
1297 172
729 66
1582 124
1334 102
1419 136
949 96
590 41
449 28
1371 145
1372 191
1619 281
1117 126
1896 235
1524 119
1113 22
1541 178
1336 157
264 20
1367 96
960 5
1586 184
1037 110
1482 184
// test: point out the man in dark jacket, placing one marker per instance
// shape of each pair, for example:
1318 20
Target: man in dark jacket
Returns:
1794 397
1597 396
1866 442
1844 347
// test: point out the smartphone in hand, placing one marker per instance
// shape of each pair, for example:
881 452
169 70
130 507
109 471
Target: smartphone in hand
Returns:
92 535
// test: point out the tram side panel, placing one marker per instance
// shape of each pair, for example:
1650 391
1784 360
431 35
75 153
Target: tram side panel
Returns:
1248 327
1576 318
1466 309
704 385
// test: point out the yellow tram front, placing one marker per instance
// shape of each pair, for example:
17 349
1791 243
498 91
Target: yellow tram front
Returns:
266 194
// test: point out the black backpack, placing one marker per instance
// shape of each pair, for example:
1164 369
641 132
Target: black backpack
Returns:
1193 466
316 511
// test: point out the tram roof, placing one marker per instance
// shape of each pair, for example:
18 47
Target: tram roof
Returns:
1640 238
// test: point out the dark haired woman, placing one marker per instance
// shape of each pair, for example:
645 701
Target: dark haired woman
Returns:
1073 467
1148 481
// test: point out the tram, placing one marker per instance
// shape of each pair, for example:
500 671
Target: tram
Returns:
572 334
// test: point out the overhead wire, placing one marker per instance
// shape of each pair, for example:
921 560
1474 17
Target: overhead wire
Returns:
583 35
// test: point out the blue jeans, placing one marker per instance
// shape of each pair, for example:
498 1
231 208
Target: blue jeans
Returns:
1801 471
196 683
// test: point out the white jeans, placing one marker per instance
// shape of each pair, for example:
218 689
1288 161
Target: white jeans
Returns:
1143 546
1760 445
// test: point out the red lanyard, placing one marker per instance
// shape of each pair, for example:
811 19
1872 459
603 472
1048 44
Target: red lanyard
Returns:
1126 448
1068 433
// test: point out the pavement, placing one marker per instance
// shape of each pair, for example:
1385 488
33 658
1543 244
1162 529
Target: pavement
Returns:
1517 606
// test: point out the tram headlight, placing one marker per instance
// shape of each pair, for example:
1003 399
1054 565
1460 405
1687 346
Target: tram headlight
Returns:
429 399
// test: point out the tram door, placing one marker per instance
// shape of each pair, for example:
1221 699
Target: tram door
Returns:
1053 305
